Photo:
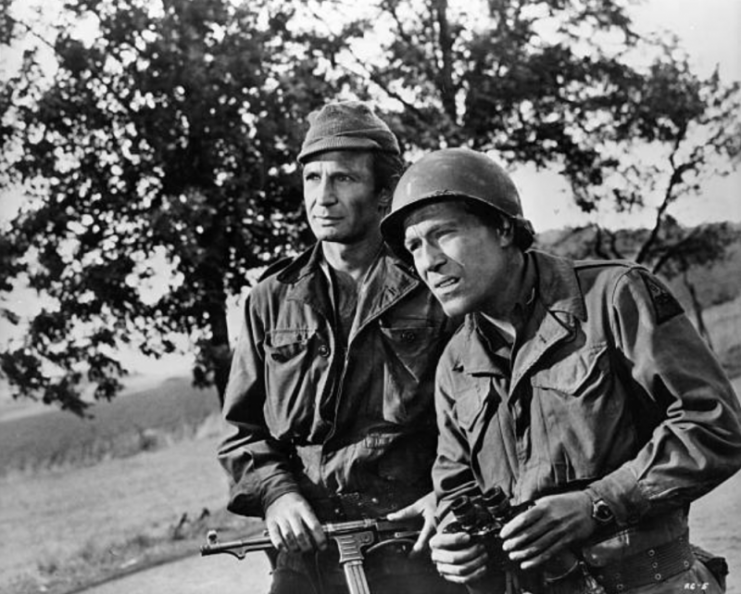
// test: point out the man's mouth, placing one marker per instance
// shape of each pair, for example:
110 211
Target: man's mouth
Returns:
445 283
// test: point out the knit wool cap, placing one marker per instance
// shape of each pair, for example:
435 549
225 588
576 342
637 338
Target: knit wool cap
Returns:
347 126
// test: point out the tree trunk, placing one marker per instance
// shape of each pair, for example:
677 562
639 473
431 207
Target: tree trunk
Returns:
445 78
220 350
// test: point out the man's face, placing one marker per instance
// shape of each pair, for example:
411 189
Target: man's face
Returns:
461 259
340 198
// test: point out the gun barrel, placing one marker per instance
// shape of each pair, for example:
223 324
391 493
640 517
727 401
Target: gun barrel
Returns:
237 548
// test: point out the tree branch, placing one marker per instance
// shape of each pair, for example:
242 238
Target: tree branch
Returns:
445 75
676 177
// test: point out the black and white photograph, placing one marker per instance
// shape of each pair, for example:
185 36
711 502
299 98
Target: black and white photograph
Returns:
382 297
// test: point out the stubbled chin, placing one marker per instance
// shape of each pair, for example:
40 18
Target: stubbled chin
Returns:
324 233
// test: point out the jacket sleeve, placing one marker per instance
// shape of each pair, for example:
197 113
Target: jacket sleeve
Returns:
257 465
694 441
451 472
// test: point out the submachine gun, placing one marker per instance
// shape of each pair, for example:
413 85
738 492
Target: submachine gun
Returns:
354 540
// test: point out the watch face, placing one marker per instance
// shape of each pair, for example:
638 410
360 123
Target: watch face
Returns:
602 512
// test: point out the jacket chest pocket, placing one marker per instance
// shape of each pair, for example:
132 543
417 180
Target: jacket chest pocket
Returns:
471 402
296 362
576 373
410 351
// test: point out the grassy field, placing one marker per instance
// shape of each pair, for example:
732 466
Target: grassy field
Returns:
79 525
145 417
82 500
75 526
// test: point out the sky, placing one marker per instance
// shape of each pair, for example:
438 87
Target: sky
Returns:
710 32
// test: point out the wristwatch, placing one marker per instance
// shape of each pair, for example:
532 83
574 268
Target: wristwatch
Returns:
601 512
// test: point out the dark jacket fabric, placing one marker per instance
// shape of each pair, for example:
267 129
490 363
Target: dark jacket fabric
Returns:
610 387
348 421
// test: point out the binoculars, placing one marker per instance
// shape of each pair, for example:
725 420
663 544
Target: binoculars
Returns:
482 517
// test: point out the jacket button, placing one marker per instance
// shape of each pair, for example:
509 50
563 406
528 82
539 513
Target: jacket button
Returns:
324 351
408 336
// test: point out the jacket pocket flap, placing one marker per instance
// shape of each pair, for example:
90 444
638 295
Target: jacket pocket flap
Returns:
570 373
282 345
471 400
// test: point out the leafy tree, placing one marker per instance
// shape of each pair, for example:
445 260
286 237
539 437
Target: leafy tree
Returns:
564 84
567 85
683 130
172 135
168 137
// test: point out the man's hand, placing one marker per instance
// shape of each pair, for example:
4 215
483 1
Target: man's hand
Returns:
458 558
424 507
292 525
548 528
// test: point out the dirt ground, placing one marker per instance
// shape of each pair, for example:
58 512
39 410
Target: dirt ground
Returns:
48 519
716 524
194 575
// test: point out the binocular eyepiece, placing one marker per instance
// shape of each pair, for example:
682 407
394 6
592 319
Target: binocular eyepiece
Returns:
482 517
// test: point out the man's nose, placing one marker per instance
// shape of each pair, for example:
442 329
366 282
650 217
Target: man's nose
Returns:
325 192
428 258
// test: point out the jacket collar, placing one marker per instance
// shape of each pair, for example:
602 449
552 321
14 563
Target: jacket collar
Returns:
558 286
558 308
389 281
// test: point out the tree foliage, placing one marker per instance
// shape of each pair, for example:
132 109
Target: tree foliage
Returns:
171 133
171 137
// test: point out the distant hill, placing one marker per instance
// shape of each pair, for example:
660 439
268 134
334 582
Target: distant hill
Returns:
145 419
714 284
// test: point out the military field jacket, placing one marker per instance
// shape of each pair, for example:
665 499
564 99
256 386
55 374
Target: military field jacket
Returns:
611 386
312 415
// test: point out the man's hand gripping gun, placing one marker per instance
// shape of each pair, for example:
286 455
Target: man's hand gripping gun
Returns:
354 540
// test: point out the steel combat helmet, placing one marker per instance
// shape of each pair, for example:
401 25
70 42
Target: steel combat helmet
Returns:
458 174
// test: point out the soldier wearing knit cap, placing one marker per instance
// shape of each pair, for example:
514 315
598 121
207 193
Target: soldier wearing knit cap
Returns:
331 390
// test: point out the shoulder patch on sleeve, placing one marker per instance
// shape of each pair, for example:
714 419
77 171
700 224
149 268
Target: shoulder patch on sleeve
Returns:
665 304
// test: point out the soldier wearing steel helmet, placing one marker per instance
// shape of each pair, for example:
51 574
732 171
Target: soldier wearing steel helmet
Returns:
330 397
580 388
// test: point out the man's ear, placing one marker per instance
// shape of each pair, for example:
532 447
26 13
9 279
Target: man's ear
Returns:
384 199
507 233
